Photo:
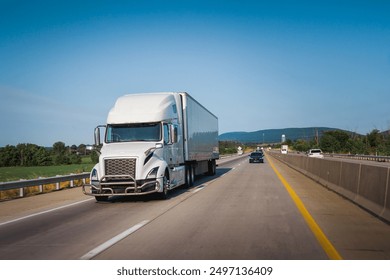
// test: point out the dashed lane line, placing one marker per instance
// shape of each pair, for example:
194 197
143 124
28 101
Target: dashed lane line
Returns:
104 246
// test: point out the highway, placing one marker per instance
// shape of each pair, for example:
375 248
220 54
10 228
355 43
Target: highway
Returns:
245 211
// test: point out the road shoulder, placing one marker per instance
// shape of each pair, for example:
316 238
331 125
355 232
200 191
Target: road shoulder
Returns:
355 233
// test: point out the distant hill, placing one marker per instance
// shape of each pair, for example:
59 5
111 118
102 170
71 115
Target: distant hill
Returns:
274 135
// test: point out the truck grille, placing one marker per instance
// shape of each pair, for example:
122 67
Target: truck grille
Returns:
125 166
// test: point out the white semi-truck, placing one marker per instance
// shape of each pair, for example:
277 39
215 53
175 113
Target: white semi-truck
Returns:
153 142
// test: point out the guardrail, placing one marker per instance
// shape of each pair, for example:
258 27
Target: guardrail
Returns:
362 157
4 186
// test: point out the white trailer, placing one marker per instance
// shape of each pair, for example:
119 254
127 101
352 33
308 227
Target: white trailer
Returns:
153 142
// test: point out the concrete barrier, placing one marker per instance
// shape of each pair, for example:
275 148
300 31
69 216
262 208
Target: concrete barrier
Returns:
364 184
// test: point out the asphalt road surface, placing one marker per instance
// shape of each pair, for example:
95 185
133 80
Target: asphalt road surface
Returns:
243 212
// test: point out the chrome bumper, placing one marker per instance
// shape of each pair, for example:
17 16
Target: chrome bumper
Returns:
128 187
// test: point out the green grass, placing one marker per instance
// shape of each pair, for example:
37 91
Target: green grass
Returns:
18 172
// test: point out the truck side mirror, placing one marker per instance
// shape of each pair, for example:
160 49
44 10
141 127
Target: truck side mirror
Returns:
97 135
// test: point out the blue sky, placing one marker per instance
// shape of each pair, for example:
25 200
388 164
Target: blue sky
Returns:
255 64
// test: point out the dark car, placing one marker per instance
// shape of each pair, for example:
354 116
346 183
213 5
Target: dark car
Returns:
256 157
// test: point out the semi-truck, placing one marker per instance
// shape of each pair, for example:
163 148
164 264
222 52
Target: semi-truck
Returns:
284 149
153 143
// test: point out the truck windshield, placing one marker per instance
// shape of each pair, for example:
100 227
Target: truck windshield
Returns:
133 132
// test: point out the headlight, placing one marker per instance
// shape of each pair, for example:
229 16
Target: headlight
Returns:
152 174
94 175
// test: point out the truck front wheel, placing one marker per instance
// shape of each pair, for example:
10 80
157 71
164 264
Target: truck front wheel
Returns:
189 176
164 193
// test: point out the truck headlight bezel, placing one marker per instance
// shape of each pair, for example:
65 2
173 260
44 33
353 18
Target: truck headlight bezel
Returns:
153 173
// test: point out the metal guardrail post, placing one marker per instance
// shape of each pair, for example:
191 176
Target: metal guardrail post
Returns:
21 190
57 184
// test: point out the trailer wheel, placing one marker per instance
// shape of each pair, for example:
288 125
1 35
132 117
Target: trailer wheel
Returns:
192 175
212 167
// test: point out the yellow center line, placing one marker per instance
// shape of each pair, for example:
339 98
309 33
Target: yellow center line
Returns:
314 227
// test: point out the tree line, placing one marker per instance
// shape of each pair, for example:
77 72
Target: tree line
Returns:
59 154
229 147
343 142
334 141
33 155
337 141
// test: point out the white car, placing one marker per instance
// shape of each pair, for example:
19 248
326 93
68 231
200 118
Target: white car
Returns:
315 153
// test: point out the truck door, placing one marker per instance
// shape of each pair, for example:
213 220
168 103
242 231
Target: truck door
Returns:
172 154
168 145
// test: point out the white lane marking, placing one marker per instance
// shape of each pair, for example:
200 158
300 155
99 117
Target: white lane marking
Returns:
198 189
112 241
44 212
233 168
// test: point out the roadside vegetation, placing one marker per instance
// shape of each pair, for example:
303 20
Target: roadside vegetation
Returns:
34 155
16 173
229 147
30 161
336 141
342 142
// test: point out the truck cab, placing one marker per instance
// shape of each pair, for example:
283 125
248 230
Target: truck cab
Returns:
144 148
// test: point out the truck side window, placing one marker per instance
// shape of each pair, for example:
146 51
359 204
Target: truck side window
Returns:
167 138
